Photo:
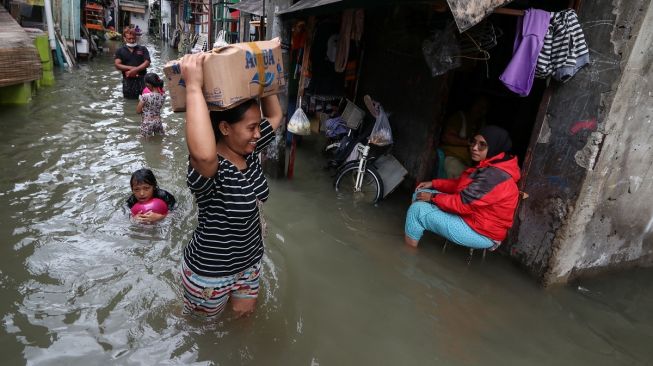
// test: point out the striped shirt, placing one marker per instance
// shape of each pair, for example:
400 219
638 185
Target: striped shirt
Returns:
564 44
227 239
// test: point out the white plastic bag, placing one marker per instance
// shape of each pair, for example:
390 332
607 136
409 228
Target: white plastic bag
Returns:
221 41
381 133
299 123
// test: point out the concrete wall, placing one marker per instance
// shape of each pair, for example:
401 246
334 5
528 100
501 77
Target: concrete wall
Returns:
141 20
569 145
274 157
612 226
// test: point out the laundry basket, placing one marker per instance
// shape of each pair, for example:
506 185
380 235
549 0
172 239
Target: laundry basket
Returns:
352 115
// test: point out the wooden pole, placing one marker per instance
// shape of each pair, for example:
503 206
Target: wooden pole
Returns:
291 160
261 31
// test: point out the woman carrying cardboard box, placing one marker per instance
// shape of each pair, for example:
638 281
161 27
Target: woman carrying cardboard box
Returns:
222 260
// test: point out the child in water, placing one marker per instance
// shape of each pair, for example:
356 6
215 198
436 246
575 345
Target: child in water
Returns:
144 188
150 104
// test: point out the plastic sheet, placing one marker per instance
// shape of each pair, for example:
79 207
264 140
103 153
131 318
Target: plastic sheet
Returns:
381 133
440 51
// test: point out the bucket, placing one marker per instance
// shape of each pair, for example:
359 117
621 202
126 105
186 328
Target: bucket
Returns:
82 46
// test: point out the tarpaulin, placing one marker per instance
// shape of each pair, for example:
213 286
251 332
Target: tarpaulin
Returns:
468 13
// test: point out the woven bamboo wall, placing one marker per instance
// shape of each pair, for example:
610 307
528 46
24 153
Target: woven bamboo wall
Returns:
19 58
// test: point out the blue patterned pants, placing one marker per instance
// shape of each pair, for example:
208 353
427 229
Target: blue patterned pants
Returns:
423 216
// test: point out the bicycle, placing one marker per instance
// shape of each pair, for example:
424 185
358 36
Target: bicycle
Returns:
358 179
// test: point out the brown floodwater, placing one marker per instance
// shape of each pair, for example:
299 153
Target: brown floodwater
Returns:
80 284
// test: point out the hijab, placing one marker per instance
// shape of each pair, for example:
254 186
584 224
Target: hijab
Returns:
497 139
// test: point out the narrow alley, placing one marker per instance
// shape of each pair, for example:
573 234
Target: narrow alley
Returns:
82 284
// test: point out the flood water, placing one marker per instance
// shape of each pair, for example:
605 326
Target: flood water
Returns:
82 285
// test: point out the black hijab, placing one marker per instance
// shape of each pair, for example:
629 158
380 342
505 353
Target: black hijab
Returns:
497 139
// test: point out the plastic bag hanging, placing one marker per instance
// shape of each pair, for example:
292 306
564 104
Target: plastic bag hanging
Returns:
299 123
381 133
221 41
441 51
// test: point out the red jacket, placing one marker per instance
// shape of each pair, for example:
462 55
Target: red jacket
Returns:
485 196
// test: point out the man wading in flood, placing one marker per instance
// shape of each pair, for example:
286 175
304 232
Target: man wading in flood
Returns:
133 61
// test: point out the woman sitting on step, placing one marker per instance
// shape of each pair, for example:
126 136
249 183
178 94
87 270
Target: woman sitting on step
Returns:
475 210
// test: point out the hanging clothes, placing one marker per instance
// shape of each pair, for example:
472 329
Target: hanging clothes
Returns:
529 39
342 52
564 51
351 29
324 79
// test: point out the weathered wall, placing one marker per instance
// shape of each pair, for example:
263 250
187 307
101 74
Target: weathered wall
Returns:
140 20
394 73
613 224
274 157
565 148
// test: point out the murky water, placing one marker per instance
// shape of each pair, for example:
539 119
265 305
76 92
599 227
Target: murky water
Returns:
82 285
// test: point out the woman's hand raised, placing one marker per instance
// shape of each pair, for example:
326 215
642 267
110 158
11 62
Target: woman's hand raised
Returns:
192 70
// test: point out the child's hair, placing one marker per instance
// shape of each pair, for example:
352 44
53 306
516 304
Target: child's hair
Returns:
143 176
153 79
231 116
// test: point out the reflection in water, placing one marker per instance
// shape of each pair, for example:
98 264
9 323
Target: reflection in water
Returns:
82 284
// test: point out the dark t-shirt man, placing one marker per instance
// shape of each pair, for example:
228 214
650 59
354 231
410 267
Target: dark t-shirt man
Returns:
133 86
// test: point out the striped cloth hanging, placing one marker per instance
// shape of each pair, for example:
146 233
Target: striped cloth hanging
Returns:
564 51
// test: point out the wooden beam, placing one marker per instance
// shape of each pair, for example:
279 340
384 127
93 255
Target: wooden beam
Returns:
508 11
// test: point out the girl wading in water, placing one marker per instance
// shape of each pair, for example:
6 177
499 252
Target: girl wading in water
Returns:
222 261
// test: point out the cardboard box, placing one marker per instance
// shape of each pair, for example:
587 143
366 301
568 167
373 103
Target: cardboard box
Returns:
232 74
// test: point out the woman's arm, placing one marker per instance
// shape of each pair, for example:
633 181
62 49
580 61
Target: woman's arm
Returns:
272 110
199 132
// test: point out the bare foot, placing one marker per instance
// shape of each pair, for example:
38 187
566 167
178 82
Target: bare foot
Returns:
410 242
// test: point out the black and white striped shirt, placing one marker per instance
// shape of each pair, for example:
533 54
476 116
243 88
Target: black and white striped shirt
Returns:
228 239
564 44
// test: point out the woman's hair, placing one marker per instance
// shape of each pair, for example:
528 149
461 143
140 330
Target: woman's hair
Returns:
231 116
154 79
143 176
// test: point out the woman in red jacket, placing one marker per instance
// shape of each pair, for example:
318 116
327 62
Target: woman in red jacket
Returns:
475 210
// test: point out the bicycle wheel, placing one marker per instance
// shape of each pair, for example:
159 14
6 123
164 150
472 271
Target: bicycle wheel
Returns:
371 189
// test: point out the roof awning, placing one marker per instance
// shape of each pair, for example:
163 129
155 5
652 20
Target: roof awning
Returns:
466 13
34 2
249 6
307 4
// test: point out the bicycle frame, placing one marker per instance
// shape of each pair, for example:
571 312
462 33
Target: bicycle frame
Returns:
363 150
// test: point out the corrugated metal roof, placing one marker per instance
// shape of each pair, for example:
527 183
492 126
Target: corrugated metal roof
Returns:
307 4
249 6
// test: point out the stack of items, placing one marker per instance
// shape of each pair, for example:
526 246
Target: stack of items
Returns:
232 74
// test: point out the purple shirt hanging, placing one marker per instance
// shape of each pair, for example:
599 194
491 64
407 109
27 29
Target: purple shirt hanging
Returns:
531 29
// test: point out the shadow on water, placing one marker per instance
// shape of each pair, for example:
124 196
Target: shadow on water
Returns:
81 284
